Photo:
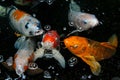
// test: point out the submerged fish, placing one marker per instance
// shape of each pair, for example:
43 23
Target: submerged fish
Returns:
22 22
91 51
80 20
37 2
23 56
23 2
50 42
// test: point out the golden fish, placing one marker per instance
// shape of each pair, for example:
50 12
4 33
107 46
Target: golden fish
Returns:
91 51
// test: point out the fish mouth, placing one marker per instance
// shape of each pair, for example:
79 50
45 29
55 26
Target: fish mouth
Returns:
39 32
95 23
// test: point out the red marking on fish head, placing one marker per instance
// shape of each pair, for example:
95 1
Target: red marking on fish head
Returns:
53 37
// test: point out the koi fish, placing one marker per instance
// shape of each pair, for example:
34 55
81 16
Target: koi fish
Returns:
50 42
91 51
22 22
80 20
37 2
23 2
23 56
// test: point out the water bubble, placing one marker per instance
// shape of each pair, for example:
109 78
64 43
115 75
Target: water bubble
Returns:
64 28
49 2
89 76
32 66
84 77
47 74
72 61
47 27
96 8
34 15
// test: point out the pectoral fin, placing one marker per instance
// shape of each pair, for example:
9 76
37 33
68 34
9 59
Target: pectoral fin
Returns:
59 58
94 65
17 34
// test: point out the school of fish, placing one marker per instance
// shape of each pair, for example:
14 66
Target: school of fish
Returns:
29 49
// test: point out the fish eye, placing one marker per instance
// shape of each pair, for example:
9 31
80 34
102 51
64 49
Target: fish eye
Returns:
85 21
26 26
75 46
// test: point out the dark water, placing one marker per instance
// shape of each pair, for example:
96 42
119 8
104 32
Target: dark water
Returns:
108 13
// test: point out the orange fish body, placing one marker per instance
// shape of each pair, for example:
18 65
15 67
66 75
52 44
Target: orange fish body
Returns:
91 51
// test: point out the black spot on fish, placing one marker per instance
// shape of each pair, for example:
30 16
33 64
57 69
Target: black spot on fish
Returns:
26 26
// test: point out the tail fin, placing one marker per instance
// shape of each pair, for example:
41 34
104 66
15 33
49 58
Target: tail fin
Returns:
113 40
3 11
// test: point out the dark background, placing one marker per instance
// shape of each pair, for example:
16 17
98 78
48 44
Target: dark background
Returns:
56 15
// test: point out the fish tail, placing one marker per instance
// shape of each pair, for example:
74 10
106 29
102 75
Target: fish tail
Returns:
113 40
3 11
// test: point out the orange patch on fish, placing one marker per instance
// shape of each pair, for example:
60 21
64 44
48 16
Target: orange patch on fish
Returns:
31 57
18 14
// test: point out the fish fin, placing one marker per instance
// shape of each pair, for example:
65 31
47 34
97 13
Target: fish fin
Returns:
74 6
74 31
94 65
17 34
39 53
113 40
3 11
57 55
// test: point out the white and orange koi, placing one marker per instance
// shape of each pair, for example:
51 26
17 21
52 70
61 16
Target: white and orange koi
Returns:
24 55
50 42
21 21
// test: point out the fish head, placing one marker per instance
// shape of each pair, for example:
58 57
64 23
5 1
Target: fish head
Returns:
77 45
85 21
51 39
32 27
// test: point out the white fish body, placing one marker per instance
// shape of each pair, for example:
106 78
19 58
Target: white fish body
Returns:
23 56
39 53
80 20
24 23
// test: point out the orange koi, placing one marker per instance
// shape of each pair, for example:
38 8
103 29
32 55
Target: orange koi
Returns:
91 51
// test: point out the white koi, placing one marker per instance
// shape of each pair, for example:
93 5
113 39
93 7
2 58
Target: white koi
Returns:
80 20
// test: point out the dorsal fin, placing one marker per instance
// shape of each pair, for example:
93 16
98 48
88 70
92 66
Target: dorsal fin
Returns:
74 6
